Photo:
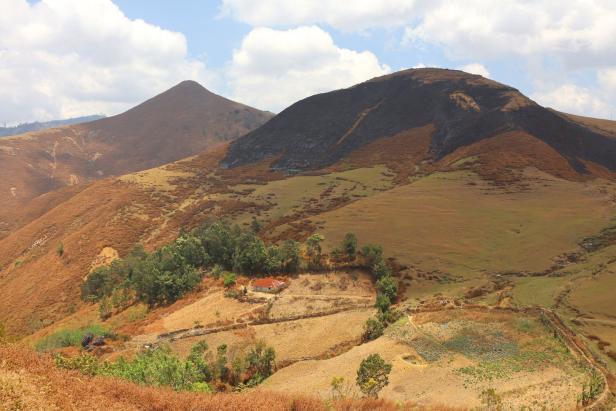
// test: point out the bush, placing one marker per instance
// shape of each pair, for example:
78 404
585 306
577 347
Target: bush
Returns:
228 279
349 246
249 256
372 254
387 286
382 303
197 372
373 329
380 269
290 255
71 337
373 375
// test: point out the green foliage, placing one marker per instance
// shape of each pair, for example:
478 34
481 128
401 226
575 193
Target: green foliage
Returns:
273 259
198 372
290 255
349 246
387 286
373 329
60 249
314 251
86 363
105 309
249 256
228 279
71 337
382 303
373 375
592 389
372 254
380 269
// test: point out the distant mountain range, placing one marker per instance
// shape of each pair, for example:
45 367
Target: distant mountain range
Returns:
42 125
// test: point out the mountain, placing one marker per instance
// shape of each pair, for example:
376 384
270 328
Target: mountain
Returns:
463 109
37 125
178 123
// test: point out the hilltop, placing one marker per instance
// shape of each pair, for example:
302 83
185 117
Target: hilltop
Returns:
178 123
462 111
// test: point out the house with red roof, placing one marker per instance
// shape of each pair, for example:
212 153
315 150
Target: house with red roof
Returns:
268 285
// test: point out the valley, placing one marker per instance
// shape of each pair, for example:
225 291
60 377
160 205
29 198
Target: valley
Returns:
498 238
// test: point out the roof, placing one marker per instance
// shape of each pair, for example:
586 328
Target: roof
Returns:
267 283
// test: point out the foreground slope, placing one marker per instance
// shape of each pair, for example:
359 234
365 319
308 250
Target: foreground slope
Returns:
175 124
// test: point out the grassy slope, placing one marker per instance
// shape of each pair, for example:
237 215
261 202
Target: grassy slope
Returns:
455 222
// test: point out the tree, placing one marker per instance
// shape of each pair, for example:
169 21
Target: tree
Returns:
387 286
349 246
372 254
273 259
380 269
314 250
373 375
373 329
249 256
290 256
382 303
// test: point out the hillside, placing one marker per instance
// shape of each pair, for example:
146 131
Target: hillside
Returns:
178 123
43 125
464 109
490 226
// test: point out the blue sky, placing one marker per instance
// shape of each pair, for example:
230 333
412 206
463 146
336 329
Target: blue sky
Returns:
63 58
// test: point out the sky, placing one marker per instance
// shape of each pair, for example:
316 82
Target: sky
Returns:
67 58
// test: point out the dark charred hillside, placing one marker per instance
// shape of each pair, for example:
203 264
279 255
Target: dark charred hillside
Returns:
464 108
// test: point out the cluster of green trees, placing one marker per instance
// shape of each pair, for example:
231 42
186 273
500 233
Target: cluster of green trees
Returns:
387 291
165 275
202 370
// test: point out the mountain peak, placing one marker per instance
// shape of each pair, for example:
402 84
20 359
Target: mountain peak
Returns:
462 108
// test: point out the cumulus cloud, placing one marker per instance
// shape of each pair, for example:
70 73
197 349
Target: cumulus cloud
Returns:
274 68
571 98
64 58
476 68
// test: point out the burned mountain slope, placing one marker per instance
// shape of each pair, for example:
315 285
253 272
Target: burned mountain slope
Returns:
463 108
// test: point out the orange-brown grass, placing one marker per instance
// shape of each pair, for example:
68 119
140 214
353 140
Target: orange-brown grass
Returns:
29 381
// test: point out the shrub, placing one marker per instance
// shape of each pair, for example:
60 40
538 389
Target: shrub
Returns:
315 251
228 279
373 329
290 255
349 246
372 254
380 269
373 375
387 286
382 303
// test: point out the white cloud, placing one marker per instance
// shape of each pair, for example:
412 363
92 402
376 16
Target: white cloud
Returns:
63 58
476 68
274 68
571 98
345 15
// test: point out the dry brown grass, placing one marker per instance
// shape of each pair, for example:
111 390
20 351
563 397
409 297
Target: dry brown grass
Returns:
31 382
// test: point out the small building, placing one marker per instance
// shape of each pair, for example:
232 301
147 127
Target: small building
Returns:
268 285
